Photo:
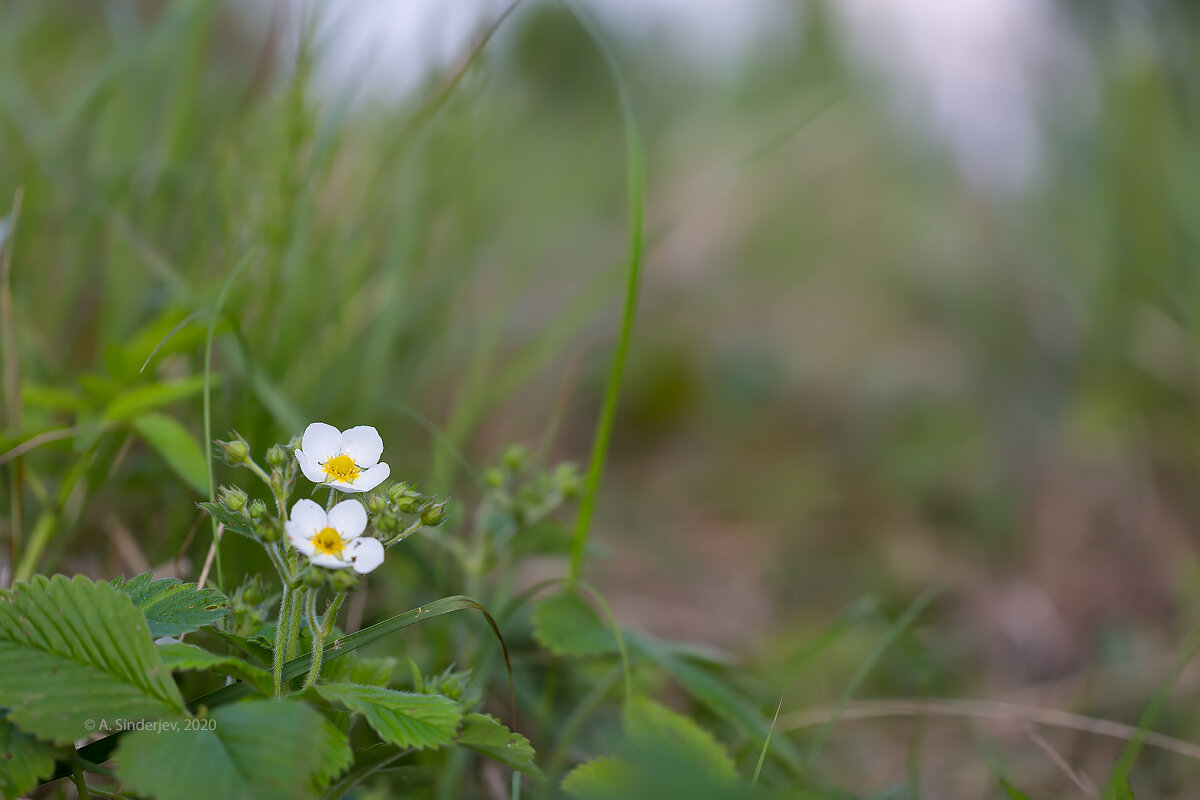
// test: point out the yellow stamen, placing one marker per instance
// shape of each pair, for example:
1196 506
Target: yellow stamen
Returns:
328 542
341 468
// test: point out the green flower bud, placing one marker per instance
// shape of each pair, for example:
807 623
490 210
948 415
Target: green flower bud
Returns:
232 497
567 479
387 523
253 591
234 452
257 509
344 580
410 504
434 514
268 531
493 478
397 491
277 481
313 577
515 457
277 456
376 502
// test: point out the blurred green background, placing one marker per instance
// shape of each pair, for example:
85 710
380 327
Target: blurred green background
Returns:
882 344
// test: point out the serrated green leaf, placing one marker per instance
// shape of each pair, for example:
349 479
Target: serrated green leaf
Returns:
72 650
361 670
334 755
189 657
139 400
24 760
257 647
648 721
567 626
231 520
177 447
484 734
401 718
255 750
599 779
171 606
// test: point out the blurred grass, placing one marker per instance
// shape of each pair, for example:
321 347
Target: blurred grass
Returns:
854 374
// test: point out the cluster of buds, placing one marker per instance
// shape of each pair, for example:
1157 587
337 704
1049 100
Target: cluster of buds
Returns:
249 607
526 495
401 511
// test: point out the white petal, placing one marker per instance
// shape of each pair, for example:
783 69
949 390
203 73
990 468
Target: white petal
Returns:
363 444
300 539
366 553
348 488
311 469
329 562
321 441
368 479
349 518
308 517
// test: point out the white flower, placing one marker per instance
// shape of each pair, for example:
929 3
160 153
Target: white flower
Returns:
335 539
348 462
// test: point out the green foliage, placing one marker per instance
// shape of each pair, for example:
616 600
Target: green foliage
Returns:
484 734
404 719
232 521
1013 792
567 626
24 760
73 650
181 656
177 447
648 723
360 669
600 779
256 750
172 607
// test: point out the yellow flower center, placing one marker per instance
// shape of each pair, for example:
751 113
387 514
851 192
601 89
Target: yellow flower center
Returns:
328 542
341 468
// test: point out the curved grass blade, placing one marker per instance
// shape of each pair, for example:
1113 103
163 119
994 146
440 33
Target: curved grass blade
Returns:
635 171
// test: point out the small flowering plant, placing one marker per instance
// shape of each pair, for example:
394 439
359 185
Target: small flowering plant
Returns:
290 688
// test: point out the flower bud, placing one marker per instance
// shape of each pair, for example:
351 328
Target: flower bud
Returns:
493 478
313 577
277 481
566 478
234 452
515 457
232 497
387 523
433 514
409 504
277 456
344 580
397 491
376 502
253 591
267 530
257 509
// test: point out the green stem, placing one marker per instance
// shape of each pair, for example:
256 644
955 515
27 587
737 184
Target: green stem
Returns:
318 641
80 784
279 562
281 637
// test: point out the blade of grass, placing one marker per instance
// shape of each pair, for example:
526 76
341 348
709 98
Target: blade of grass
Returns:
762 754
1120 774
636 184
12 368
889 638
